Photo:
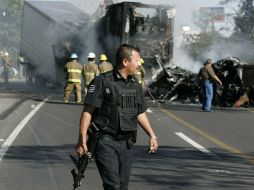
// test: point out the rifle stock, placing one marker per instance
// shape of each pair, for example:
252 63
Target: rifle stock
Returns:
82 162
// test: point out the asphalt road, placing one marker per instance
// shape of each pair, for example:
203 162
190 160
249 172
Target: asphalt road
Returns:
197 150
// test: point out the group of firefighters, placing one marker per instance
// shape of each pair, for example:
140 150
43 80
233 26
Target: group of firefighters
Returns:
75 71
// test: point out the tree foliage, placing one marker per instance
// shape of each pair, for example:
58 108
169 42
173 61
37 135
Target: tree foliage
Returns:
244 21
10 22
196 46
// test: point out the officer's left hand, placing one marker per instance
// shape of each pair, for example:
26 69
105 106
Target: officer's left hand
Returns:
153 144
81 149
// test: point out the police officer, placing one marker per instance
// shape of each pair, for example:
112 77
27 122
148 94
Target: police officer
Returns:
73 79
207 76
90 70
104 65
115 103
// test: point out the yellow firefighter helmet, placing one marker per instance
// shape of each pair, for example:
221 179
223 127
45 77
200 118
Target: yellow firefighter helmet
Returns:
103 57
141 61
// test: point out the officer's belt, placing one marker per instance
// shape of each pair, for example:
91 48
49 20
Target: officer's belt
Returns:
114 137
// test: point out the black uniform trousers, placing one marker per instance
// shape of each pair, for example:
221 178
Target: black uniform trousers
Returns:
113 159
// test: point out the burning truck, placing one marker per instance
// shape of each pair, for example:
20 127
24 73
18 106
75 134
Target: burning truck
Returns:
149 27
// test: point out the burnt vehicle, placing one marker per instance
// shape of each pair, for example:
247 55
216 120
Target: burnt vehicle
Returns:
149 27
238 83
173 83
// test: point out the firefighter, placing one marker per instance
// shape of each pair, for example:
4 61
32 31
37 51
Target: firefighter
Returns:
90 70
73 79
116 104
104 65
141 72
207 76
6 65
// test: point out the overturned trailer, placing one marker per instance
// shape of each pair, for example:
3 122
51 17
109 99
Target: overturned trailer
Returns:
238 82
50 32
173 83
149 27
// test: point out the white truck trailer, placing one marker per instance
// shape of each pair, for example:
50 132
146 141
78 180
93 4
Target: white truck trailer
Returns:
50 32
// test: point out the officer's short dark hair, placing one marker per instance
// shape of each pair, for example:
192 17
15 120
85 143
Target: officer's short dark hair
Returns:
125 52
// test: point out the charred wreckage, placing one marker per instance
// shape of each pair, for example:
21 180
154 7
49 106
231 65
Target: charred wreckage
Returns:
174 84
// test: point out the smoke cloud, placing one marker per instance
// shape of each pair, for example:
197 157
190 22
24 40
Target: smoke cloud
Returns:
237 46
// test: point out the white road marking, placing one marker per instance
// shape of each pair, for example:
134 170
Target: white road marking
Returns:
195 144
1 140
221 171
8 142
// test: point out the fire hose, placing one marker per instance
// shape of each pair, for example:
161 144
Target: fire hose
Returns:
149 93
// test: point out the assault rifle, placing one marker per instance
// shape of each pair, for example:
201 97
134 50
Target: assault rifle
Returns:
81 163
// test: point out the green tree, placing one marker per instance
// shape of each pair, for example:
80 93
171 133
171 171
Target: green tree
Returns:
10 22
197 45
244 19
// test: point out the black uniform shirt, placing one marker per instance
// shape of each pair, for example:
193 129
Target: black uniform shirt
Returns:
97 91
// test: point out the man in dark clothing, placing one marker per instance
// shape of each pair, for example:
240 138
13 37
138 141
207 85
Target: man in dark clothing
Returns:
207 76
115 103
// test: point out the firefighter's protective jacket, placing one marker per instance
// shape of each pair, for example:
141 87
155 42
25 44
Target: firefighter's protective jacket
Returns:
90 71
6 63
105 67
74 71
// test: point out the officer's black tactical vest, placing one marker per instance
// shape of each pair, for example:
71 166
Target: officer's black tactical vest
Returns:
120 106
